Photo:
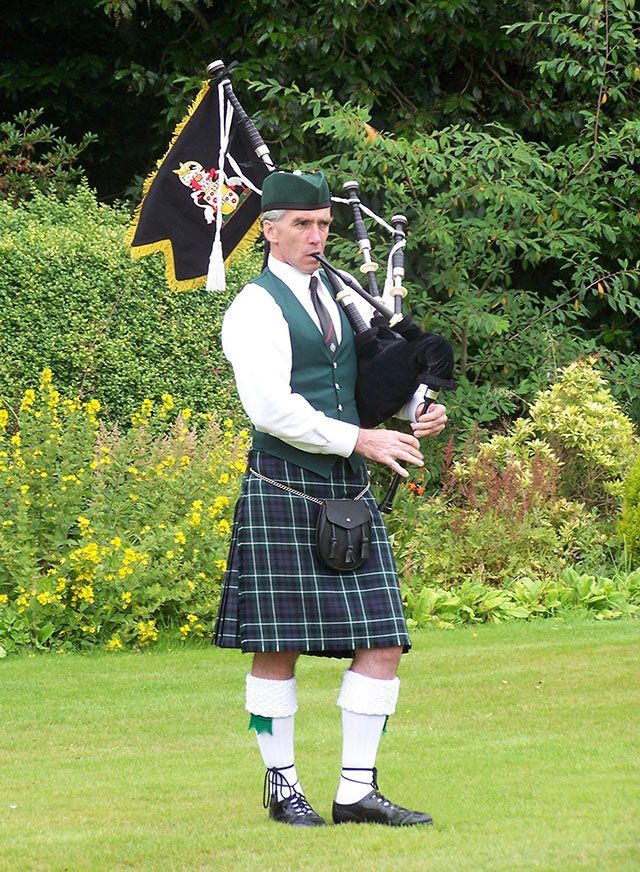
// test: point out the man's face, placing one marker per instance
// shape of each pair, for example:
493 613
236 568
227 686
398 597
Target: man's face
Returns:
298 235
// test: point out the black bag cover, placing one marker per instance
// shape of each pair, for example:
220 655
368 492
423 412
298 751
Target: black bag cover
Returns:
343 534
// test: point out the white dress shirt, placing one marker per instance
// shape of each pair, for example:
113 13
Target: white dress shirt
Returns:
256 341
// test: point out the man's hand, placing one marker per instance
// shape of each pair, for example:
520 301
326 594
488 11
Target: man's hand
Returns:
389 446
431 423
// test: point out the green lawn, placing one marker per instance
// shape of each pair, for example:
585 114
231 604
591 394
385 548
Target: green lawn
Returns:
520 739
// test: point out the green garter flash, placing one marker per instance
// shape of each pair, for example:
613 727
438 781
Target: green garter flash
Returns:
261 724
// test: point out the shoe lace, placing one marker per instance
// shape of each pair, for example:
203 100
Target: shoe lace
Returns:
374 782
371 769
275 782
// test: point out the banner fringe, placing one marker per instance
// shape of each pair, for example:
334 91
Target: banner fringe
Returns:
141 250
164 247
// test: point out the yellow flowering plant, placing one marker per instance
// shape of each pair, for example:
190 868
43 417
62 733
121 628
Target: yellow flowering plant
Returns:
108 537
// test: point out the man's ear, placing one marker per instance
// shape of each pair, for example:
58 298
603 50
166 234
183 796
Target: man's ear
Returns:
269 231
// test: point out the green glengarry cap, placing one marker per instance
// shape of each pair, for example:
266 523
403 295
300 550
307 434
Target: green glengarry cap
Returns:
295 191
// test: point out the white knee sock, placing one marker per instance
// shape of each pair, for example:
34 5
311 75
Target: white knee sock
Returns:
366 703
276 702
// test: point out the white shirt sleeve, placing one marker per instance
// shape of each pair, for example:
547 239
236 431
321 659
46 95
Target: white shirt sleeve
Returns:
256 341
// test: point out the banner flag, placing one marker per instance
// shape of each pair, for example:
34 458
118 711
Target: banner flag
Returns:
180 215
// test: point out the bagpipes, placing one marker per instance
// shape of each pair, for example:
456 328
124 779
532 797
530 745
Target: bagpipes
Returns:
394 355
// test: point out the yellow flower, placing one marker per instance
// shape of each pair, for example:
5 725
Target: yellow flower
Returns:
185 414
228 423
125 597
222 565
46 598
85 593
185 629
4 419
170 554
85 526
223 527
116 542
147 632
224 478
28 400
89 553
167 402
180 538
16 440
192 618
46 377
24 488
195 519
92 408
142 416
4 599
114 644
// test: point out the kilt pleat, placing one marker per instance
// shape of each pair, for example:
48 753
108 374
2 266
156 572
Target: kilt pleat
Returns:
278 596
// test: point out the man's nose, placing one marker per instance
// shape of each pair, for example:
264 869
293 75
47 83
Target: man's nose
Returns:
314 234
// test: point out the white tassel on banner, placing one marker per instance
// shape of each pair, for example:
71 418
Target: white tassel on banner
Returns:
216 279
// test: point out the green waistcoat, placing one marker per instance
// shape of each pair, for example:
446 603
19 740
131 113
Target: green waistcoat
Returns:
327 383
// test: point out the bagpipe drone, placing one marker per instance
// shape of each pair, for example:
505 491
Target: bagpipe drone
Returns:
220 160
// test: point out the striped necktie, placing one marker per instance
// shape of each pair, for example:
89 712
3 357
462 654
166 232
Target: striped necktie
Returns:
326 323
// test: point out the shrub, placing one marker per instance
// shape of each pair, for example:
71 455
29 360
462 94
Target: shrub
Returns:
73 299
630 518
34 158
577 423
586 429
528 503
108 536
495 526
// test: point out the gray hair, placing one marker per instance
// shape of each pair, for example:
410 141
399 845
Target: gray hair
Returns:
273 215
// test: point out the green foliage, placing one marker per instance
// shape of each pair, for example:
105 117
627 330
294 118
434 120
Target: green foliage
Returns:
587 57
593 439
107 537
73 299
630 517
475 603
577 423
519 524
129 68
33 158
497 526
519 247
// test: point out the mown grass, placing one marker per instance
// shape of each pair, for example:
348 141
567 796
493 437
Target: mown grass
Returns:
520 739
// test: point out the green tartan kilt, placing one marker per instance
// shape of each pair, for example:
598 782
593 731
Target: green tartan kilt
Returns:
278 596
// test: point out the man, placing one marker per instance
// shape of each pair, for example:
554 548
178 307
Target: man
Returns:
293 355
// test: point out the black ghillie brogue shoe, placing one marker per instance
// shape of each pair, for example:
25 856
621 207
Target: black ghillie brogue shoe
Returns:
293 809
374 808
296 811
